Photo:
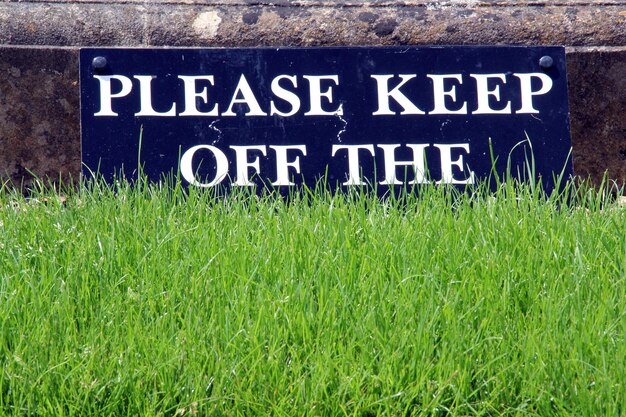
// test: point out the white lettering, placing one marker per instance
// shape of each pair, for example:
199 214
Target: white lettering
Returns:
447 176
191 95
241 154
483 92
145 98
418 163
354 176
248 98
316 94
282 164
286 95
440 94
106 95
187 171
526 81
382 83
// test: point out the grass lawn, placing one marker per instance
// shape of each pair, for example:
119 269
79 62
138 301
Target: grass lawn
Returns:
147 302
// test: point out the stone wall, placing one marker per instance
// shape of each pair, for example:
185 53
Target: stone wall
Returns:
39 42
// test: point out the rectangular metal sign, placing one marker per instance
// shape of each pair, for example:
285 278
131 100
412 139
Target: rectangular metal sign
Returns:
280 117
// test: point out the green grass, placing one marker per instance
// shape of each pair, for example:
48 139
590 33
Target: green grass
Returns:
146 302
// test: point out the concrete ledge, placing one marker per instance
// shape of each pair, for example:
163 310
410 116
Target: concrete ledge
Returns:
300 23
39 41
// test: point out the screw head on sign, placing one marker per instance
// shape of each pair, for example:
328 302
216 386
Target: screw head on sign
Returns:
99 63
546 62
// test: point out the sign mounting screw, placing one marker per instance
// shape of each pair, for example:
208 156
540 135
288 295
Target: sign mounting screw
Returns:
99 63
546 62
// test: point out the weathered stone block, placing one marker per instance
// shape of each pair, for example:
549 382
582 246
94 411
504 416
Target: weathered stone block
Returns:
39 114
597 91
39 104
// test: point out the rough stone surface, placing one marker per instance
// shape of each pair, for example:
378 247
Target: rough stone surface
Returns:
39 97
597 91
299 23
39 114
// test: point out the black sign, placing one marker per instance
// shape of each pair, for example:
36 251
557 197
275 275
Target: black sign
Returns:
355 116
